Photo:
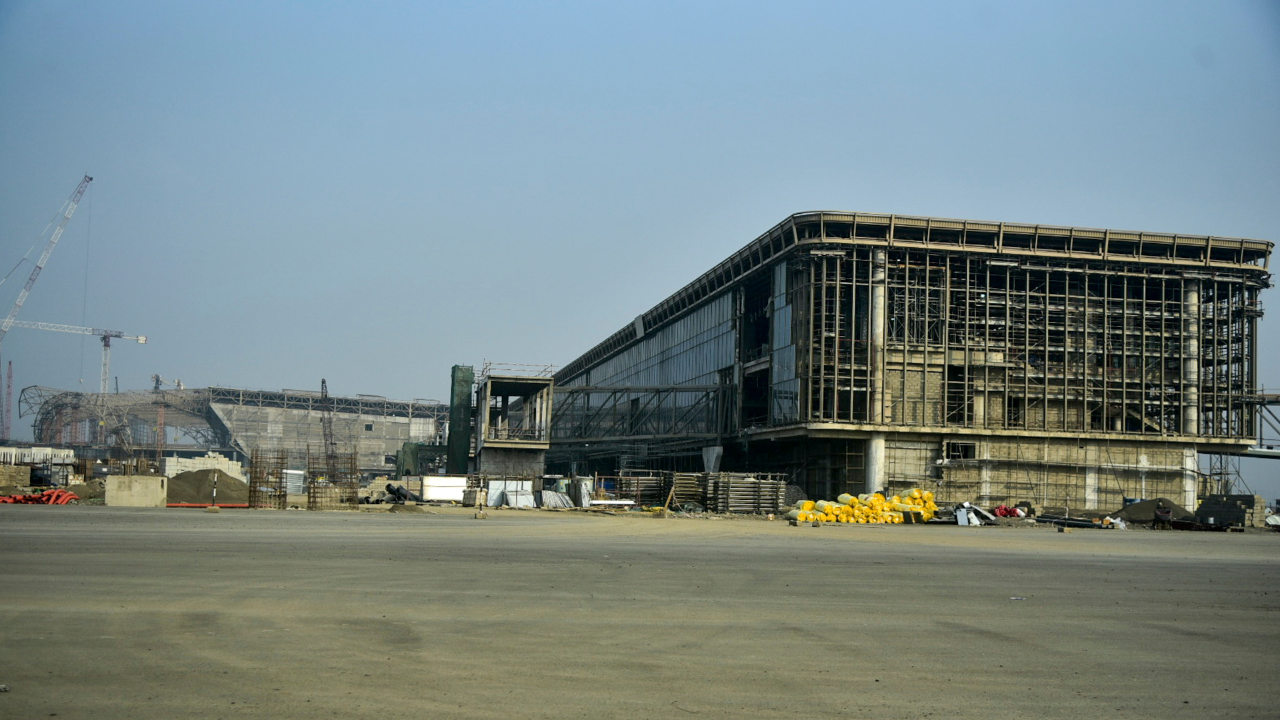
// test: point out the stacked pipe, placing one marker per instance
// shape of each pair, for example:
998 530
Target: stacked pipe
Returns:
867 509
689 488
729 493
644 490
48 497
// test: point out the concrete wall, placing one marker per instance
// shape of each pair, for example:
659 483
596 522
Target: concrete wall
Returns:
372 437
505 461
1050 472
137 491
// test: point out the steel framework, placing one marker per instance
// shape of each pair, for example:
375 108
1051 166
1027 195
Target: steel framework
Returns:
1028 359
607 414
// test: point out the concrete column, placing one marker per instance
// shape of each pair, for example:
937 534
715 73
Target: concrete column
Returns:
984 489
879 259
1191 358
1190 477
875 463
1143 464
1091 487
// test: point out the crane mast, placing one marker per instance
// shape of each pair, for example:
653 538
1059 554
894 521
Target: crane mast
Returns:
326 423
70 209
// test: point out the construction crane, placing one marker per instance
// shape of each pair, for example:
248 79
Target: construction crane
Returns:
68 210
106 336
326 425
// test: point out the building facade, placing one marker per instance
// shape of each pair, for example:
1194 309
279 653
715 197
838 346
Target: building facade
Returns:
987 361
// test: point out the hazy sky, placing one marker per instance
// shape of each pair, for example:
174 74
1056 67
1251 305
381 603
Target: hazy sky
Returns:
373 192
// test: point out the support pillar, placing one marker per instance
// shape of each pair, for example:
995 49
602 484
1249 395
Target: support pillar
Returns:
1191 358
1190 477
875 464
1091 487
879 260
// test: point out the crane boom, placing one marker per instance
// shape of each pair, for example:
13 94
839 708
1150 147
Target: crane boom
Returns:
106 336
78 330
70 209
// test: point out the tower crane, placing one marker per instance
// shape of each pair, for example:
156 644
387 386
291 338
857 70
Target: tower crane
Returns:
68 210
106 336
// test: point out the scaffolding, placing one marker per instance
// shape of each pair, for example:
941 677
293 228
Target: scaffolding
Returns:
973 341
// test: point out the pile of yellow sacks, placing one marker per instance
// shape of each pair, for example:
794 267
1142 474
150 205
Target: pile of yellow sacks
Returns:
873 508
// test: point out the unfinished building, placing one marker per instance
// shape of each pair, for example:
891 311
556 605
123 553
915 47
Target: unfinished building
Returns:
194 421
986 361
512 421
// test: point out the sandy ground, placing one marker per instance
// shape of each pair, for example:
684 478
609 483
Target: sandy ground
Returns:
167 613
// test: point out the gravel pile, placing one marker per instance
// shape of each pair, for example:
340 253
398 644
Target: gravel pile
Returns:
1145 511
195 487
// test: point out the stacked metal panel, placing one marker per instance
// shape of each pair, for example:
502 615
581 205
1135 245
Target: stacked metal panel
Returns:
648 490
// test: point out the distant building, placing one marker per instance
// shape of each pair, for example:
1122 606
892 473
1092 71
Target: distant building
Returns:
232 422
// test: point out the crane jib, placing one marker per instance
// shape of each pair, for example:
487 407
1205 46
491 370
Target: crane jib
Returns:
44 256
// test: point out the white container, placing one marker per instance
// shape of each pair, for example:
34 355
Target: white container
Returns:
295 482
443 488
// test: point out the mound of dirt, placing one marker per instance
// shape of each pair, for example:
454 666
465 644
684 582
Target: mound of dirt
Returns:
1145 511
195 487
92 490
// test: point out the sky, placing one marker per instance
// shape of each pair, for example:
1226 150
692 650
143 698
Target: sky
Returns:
374 192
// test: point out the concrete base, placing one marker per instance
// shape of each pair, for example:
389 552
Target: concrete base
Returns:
510 461
137 491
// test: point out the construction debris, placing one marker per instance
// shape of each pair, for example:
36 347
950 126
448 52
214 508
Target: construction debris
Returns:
553 499
969 514
400 494
1061 522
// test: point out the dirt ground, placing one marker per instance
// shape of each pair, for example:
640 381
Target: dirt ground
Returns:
168 613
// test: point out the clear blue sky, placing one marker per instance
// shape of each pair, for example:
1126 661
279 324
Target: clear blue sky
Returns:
373 192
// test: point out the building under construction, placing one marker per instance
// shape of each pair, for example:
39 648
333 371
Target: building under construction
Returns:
986 361
234 422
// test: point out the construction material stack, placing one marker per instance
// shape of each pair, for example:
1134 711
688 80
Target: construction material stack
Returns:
733 493
1232 511
915 506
